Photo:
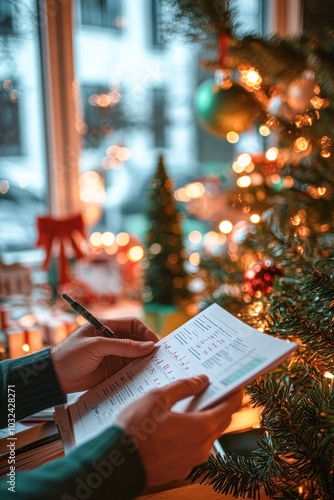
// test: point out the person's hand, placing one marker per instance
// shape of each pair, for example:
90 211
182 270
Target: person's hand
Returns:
170 444
87 357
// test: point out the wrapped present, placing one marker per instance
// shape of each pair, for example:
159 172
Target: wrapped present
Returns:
22 341
55 326
5 317
14 280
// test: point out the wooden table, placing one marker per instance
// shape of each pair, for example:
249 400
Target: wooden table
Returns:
186 491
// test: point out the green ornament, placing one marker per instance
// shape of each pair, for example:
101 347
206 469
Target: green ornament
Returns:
224 110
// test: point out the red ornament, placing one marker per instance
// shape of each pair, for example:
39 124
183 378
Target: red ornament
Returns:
259 279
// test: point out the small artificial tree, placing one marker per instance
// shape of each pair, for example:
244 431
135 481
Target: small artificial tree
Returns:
166 281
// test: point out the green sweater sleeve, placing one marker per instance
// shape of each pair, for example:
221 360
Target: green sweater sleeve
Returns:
107 467
30 383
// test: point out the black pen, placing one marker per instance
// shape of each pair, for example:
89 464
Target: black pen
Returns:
89 317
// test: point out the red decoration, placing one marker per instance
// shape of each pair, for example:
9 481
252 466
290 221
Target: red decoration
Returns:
258 279
62 232
223 49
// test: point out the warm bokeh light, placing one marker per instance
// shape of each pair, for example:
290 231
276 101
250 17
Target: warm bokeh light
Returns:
244 159
136 253
253 76
225 226
108 238
329 375
195 258
244 181
195 190
4 186
232 137
264 130
27 320
26 348
96 239
288 182
272 154
322 190
237 167
255 218
195 237
92 188
122 239
111 249
122 258
301 144
211 238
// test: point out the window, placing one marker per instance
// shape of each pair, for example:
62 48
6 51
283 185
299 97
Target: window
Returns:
10 141
159 119
102 112
157 26
101 13
6 18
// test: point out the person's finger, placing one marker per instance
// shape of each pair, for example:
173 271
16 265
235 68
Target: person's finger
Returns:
129 348
181 389
132 328
220 414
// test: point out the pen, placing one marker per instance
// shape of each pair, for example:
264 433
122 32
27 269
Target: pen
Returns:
89 317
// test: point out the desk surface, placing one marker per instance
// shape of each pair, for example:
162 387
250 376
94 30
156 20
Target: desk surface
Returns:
188 491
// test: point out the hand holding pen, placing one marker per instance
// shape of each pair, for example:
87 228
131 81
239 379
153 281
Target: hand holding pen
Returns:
85 358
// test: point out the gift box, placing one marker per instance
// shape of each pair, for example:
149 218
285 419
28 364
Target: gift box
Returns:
55 326
22 341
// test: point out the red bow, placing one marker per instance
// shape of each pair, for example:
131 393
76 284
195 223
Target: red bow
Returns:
62 230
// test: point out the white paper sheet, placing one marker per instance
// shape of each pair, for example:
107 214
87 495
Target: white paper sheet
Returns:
214 342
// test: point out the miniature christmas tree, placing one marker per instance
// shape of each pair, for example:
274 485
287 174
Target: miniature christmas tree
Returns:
165 277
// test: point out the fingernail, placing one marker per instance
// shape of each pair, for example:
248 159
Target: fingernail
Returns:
146 346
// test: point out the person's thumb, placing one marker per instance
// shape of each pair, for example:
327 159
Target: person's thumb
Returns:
121 347
181 389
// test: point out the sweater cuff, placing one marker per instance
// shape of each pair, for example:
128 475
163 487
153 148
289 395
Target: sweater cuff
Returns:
35 383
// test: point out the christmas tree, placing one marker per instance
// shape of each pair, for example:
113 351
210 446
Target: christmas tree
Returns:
165 276
277 273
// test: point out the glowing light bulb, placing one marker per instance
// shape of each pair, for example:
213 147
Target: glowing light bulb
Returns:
255 218
264 130
136 253
122 239
225 226
272 154
244 159
95 239
25 348
195 258
107 238
244 181
301 144
195 237
232 137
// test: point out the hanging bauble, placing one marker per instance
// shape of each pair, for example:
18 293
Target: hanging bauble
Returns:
258 279
281 109
300 92
221 111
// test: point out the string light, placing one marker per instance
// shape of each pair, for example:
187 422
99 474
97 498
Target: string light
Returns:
107 238
272 154
232 137
264 130
122 239
26 348
195 258
301 144
255 218
195 237
96 239
136 253
244 181
225 226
